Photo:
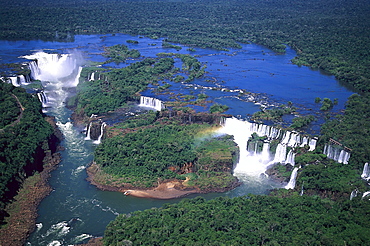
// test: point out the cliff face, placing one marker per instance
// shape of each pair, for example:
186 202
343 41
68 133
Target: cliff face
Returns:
27 189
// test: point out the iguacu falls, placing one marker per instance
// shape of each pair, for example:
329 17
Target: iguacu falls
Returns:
256 155
76 210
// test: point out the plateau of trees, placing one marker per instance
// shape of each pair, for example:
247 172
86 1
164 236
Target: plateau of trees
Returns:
119 53
23 130
332 35
252 220
113 88
155 147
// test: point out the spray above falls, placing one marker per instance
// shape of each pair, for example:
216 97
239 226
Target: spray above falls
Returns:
256 154
56 72
55 67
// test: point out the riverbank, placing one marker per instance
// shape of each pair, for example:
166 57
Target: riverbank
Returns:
166 190
23 210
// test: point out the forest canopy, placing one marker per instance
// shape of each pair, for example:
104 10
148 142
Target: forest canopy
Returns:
330 35
154 147
252 220
22 131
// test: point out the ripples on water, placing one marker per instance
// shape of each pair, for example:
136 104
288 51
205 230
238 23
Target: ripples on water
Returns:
76 210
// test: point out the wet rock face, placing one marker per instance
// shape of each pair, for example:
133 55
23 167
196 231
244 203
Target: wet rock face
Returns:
95 130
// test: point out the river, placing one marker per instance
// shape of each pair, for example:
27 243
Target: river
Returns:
76 210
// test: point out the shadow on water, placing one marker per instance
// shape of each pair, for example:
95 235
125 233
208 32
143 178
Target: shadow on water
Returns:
76 210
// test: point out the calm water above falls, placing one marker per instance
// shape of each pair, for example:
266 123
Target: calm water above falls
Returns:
76 210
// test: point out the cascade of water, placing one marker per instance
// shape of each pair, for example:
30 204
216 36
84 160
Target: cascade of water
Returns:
43 99
249 163
290 158
88 134
151 103
253 161
293 140
365 194
53 67
304 142
365 172
92 76
337 154
312 144
101 133
14 81
292 180
280 154
302 190
21 79
266 152
343 157
35 70
56 72
286 138
353 194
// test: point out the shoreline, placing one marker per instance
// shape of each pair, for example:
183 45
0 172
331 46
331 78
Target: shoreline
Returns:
23 210
167 190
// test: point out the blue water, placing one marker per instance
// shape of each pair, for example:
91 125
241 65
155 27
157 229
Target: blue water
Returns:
76 210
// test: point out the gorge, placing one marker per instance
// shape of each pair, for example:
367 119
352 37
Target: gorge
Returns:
67 215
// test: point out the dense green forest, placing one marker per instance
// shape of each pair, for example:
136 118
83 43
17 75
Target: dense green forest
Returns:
113 88
154 147
252 220
330 35
22 131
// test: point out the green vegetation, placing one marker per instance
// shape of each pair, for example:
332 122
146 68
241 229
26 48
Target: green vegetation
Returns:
168 45
328 35
352 130
253 220
302 121
159 148
218 108
132 41
273 114
331 36
118 86
326 104
119 53
9 109
115 87
22 132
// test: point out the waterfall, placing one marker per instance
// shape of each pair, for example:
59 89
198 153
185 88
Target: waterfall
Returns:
253 161
88 134
365 194
92 76
302 190
35 70
294 139
353 194
14 81
312 144
43 99
151 103
290 158
56 72
286 138
292 180
280 153
101 133
304 142
366 172
53 67
336 153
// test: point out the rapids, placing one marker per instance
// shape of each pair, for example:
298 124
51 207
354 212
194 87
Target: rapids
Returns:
76 210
